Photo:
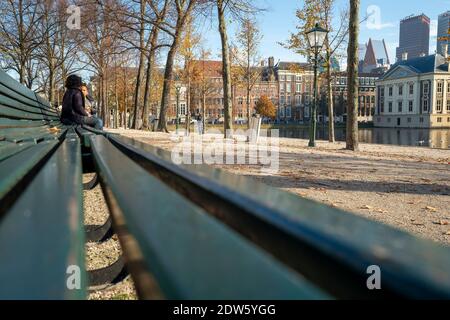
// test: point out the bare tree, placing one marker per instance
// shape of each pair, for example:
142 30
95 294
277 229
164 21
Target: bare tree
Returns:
57 51
99 44
238 9
182 12
322 12
19 20
159 8
249 38
352 70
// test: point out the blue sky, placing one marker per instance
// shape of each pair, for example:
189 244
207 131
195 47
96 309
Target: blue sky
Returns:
279 19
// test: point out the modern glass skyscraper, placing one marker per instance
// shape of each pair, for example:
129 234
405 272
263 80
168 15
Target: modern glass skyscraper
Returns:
414 36
443 28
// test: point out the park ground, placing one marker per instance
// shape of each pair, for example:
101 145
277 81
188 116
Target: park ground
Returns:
405 187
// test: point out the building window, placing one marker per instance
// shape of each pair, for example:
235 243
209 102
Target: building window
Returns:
390 106
440 87
298 87
281 87
288 100
410 108
282 78
421 120
439 106
400 90
288 87
426 88
298 78
282 112
439 120
183 108
400 106
288 78
448 105
448 119
411 89
425 105
409 120
390 91
288 112
389 120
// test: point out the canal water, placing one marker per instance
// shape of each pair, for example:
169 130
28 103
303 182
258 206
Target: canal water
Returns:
434 138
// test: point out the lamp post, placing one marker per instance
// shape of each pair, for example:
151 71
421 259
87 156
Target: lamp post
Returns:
316 38
178 89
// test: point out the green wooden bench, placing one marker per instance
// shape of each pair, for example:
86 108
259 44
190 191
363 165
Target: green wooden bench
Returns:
187 232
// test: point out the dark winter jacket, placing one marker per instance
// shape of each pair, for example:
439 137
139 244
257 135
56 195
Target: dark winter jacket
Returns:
73 106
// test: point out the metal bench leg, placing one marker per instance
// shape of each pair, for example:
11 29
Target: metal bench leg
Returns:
91 184
102 278
96 233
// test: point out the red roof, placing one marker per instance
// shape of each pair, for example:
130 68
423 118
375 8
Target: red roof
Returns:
210 68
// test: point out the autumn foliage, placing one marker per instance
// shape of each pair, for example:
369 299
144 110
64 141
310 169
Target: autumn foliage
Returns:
266 108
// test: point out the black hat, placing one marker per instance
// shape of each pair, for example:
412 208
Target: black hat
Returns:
73 81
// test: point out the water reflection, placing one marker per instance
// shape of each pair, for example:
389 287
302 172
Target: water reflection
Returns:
435 138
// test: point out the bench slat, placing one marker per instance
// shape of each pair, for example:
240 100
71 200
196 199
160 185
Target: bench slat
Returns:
19 114
14 104
14 123
14 169
31 134
12 84
191 254
34 103
43 234
8 149
332 247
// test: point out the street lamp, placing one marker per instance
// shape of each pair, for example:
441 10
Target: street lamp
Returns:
316 38
178 89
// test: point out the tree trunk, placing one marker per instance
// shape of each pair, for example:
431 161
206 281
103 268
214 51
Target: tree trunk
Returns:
148 79
226 69
352 63
203 113
168 74
167 87
137 91
331 137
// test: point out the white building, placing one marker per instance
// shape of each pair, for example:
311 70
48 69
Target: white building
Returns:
414 93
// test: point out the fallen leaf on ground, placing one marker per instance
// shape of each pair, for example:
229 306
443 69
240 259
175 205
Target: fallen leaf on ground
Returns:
366 207
432 209
442 223
54 130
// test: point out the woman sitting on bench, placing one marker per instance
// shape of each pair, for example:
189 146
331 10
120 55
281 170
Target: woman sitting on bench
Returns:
73 106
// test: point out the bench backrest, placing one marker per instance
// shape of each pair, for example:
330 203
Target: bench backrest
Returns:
19 102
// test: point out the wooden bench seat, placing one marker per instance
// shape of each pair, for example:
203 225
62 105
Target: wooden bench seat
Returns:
42 234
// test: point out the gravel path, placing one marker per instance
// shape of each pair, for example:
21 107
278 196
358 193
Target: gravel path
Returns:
405 187
100 255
